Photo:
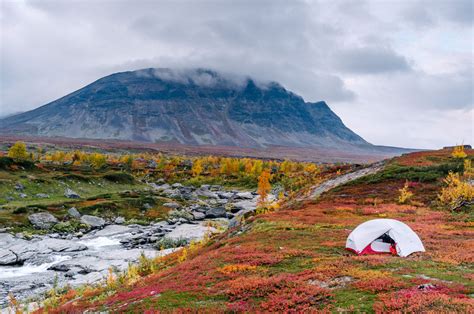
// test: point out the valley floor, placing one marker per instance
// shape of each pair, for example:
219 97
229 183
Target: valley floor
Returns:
293 258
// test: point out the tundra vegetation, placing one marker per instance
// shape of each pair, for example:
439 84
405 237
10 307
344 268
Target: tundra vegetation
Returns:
290 257
112 184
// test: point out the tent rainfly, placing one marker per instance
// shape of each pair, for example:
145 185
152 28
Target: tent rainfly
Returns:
384 236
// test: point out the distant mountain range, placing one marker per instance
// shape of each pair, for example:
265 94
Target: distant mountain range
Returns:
192 107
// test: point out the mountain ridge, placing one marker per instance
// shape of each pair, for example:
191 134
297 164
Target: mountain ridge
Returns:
192 107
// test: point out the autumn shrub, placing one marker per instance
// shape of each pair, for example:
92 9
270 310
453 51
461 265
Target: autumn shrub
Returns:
405 194
263 187
457 193
18 151
240 268
366 274
458 152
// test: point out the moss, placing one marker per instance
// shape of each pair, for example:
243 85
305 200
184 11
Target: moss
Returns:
354 301
169 300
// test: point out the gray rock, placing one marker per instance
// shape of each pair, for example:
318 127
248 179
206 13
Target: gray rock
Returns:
246 205
171 205
216 212
9 198
111 230
198 215
215 187
71 194
23 195
147 206
244 196
93 221
7 257
19 187
58 245
177 185
42 220
189 232
225 195
73 212
162 187
119 220
42 195
206 193
152 164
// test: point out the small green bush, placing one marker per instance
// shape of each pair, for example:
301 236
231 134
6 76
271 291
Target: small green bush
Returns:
69 226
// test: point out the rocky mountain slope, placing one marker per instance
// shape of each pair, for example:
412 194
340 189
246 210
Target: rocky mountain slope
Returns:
193 107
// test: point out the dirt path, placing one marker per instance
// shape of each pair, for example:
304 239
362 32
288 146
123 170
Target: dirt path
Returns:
330 184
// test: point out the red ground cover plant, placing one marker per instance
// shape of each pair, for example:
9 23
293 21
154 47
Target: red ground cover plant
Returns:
380 284
414 300
285 293
302 297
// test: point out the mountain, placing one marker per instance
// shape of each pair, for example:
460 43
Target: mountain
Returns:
193 107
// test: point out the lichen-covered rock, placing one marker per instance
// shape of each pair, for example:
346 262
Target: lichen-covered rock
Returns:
73 212
216 212
71 194
93 221
42 220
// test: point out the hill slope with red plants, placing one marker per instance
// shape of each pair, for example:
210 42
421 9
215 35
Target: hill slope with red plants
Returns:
293 258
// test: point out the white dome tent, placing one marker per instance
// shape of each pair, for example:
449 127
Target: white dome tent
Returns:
384 236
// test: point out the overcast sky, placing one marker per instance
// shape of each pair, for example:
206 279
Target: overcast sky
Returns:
398 73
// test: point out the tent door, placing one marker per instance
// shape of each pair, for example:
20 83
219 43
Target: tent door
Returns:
383 244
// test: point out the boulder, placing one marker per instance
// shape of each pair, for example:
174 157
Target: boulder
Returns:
42 220
215 187
73 212
93 221
7 257
246 205
152 164
162 187
189 232
58 245
225 195
119 220
198 215
216 212
171 205
71 194
19 187
207 194
244 196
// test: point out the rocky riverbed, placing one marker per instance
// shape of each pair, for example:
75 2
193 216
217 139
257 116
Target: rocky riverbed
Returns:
29 267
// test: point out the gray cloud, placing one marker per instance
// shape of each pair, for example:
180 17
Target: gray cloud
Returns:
428 13
369 60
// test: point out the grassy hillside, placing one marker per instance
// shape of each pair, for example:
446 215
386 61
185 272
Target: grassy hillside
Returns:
293 259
